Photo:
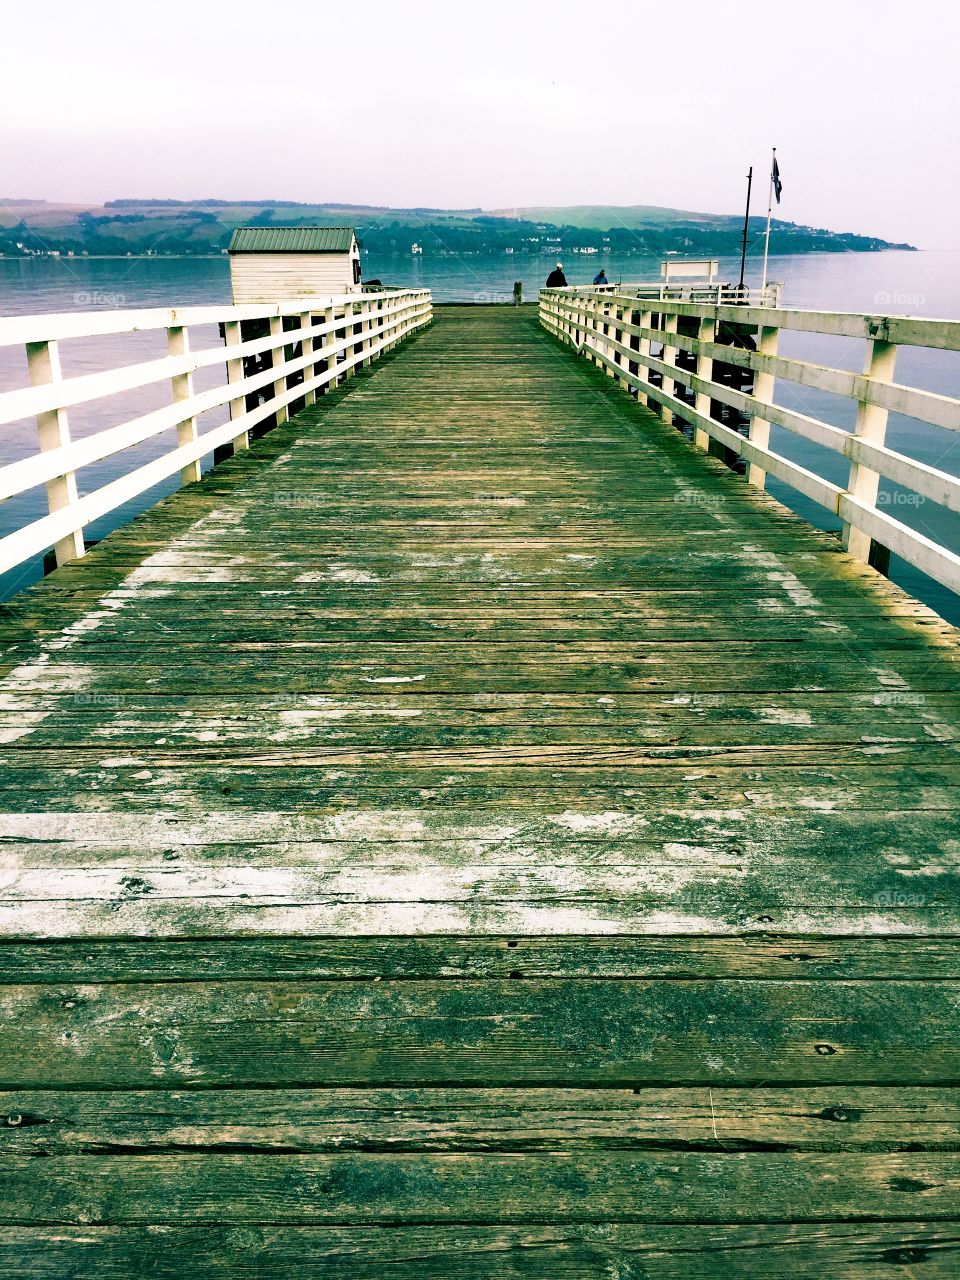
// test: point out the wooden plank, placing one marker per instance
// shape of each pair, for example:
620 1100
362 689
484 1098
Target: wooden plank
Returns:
266 959
425 1188
720 871
847 1251
515 1032
301 1121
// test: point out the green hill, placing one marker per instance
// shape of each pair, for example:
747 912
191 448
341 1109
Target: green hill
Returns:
200 227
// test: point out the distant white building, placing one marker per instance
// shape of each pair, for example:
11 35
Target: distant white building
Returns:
271 263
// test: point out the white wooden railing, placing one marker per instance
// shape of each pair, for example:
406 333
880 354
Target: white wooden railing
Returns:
618 332
717 292
312 344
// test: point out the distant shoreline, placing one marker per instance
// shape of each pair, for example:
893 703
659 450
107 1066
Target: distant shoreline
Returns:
399 253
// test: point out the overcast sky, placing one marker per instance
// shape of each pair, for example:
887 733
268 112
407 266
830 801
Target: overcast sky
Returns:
497 104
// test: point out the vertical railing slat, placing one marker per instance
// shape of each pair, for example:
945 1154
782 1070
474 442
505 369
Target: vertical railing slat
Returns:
278 357
643 351
306 349
232 338
863 483
53 431
178 344
668 325
350 315
330 341
706 333
763 384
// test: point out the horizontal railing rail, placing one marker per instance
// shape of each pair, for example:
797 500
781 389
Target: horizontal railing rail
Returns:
717 292
310 346
619 331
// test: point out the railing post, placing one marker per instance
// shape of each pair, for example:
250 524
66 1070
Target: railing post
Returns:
591 329
238 406
178 344
330 341
668 325
643 373
53 430
306 349
763 391
351 349
871 426
382 335
278 358
610 325
706 333
360 333
624 339
365 342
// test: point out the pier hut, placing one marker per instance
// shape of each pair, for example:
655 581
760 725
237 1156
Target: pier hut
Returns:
267 263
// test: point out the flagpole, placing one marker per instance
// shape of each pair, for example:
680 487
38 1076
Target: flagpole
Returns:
746 225
766 243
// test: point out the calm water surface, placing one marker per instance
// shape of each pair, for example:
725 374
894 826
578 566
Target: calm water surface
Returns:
922 284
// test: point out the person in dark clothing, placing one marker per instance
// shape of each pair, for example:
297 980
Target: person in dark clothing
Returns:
601 277
556 279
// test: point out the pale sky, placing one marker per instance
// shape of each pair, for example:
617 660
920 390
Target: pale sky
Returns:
495 104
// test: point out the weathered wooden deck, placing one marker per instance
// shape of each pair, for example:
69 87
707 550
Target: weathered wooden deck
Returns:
475 834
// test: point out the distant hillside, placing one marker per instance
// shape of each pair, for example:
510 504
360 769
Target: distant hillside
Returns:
710 230
163 227
609 215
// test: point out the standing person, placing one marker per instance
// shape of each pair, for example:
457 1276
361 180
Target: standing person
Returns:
601 277
556 279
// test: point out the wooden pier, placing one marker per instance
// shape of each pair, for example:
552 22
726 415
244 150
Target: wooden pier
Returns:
472 832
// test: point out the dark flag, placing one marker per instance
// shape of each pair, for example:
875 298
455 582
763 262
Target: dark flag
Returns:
776 186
